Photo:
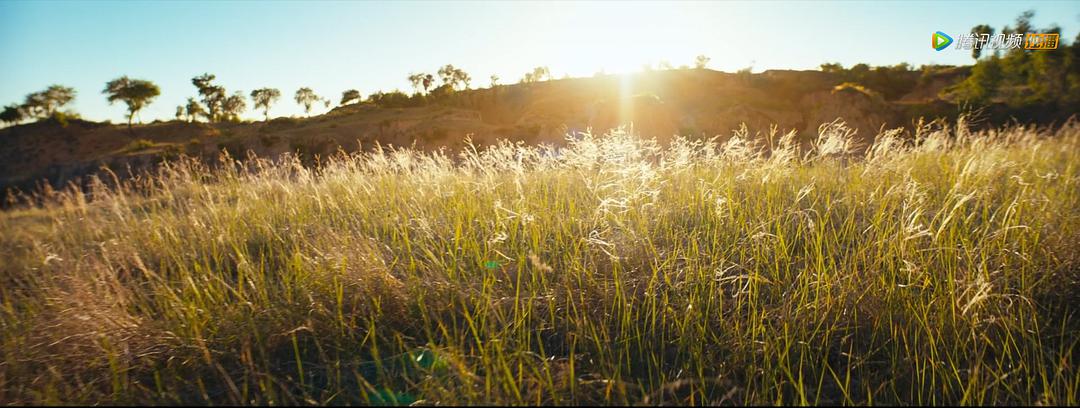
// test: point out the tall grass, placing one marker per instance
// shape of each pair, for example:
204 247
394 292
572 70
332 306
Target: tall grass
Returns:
938 267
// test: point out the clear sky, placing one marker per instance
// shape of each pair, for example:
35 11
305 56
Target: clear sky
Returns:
371 45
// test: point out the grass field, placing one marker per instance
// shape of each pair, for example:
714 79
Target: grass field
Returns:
941 266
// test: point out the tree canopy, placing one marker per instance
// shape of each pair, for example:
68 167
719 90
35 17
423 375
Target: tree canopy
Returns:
263 98
351 95
46 103
306 97
233 106
12 114
213 96
1023 78
136 93
194 110
538 74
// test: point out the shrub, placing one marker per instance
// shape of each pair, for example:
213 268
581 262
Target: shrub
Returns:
138 144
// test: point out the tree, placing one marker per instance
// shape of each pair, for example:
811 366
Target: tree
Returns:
542 73
233 106
832 67
416 79
494 80
441 91
265 97
12 114
453 77
1023 23
34 105
136 93
46 103
194 110
701 61
179 112
306 97
1072 76
326 103
979 30
461 77
213 96
394 99
428 81
983 82
538 74
1048 73
448 75
354 95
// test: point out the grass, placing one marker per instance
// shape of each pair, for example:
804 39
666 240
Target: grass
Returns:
940 267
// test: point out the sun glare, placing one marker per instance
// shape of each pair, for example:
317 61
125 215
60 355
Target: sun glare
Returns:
626 92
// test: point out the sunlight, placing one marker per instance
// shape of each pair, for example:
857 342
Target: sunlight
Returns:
626 93
373 203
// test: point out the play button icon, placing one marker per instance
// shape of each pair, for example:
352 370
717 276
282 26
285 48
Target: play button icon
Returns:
941 40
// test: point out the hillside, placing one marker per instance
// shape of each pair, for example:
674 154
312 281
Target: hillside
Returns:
693 103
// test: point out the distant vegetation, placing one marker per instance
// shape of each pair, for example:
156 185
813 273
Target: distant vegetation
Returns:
1021 78
538 74
40 105
889 81
264 98
306 97
349 96
136 93
1016 78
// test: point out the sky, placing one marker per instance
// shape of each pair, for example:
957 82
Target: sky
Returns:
331 46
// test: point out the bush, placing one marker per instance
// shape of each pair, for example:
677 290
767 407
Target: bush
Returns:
397 99
283 122
853 87
138 144
63 118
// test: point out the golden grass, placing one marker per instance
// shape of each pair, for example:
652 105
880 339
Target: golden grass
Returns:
939 267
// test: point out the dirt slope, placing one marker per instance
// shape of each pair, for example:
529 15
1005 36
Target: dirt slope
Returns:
697 103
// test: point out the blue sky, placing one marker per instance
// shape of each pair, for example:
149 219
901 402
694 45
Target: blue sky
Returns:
371 45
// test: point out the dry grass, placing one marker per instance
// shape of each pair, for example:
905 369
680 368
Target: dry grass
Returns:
938 267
